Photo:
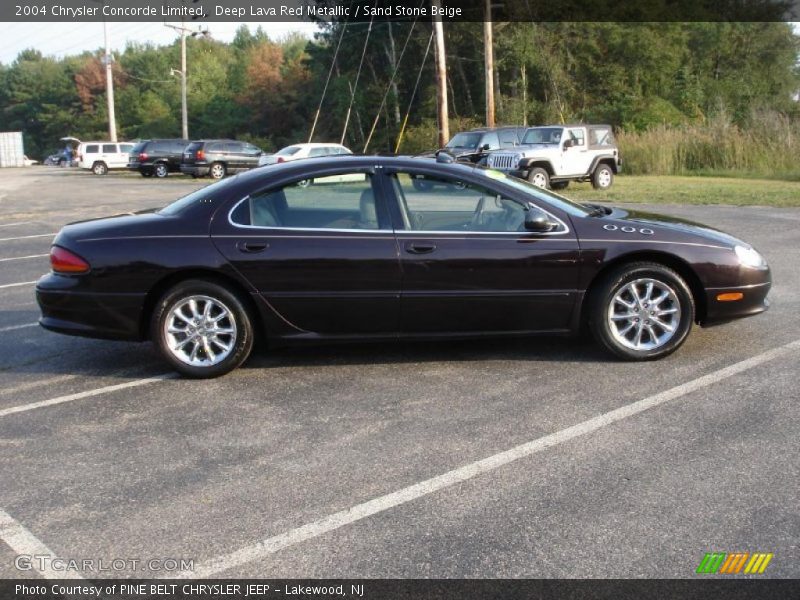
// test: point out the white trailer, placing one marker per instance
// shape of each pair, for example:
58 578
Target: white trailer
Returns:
11 151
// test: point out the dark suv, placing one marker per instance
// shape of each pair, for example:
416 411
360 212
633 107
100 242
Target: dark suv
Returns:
473 146
218 158
157 157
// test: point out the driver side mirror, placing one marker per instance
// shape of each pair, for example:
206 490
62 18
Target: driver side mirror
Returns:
568 144
538 222
486 147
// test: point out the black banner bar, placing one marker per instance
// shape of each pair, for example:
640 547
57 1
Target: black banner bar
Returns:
374 589
398 10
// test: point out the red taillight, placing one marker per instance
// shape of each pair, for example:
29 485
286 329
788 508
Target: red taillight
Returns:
280 159
142 155
64 261
200 155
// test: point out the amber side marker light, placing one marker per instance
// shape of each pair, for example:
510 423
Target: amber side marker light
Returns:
64 261
730 297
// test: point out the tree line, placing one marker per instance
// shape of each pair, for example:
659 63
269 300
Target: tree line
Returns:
636 76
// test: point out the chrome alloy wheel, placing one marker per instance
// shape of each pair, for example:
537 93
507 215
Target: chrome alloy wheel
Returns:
200 331
217 171
644 314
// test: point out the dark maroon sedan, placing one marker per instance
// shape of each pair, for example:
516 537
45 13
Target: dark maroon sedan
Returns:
364 253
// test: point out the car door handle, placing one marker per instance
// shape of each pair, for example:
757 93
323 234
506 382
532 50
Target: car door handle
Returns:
252 247
423 248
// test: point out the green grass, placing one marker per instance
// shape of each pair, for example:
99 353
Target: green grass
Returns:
652 189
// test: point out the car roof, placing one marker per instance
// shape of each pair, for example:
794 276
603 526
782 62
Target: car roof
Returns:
315 145
571 125
107 142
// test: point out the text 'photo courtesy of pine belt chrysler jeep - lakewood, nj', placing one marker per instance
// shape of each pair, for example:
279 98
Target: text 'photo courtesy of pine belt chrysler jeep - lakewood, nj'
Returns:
366 253
552 156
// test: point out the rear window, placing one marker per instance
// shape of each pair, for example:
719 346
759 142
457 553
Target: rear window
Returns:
193 147
138 147
289 151
181 204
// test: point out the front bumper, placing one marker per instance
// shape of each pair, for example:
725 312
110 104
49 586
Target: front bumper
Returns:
754 301
88 314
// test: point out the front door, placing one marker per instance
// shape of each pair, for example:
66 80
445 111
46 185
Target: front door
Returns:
323 255
575 153
469 265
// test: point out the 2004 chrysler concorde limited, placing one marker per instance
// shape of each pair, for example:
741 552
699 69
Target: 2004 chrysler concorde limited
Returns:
390 248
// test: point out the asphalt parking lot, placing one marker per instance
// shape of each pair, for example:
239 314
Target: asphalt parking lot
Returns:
527 458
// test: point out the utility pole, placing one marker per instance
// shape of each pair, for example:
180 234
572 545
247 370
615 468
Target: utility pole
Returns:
184 109
108 61
441 77
488 63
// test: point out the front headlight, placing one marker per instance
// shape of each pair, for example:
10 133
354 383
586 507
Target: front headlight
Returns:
749 257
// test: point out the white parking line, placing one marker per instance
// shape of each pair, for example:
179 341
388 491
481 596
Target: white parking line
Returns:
266 547
10 285
22 541
27 237
17 224
87 394
23 257
15 327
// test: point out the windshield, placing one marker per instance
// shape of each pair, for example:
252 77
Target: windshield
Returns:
537 193
464 140
138 147
543 135
195 197
289 151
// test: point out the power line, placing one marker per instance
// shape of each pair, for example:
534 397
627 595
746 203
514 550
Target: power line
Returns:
358 76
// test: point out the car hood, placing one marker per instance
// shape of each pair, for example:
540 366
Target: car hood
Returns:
676 225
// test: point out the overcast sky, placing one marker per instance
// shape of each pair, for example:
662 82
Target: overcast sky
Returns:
62 39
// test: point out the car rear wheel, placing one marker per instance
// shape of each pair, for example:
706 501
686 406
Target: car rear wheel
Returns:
146 173
539 177
641 311
603 177
160 170
99 168
217 170
202 329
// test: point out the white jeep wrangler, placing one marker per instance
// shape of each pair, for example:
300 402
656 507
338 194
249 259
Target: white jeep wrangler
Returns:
552 156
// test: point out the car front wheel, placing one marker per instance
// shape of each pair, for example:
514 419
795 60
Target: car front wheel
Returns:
641 311
99 168
202 329
539 177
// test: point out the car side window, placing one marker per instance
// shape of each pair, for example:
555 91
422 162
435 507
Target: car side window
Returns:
492 139
341 201
441 204
508 138
214 147
576 135
92 149
109 148
318 152
601 136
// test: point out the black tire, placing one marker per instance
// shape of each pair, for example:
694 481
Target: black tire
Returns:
240 321
160 170
540 177
600 305
100 168
559 185
603 177
217 170
304 183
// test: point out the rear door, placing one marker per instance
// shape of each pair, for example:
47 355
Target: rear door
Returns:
470 266
323 256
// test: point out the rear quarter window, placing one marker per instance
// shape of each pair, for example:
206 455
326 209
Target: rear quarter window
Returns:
92 149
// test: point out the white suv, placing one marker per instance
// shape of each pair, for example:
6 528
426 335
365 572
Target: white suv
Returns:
554 155
297 151
102 156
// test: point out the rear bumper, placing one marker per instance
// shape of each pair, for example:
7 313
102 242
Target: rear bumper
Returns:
88 314
196 170
754 301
